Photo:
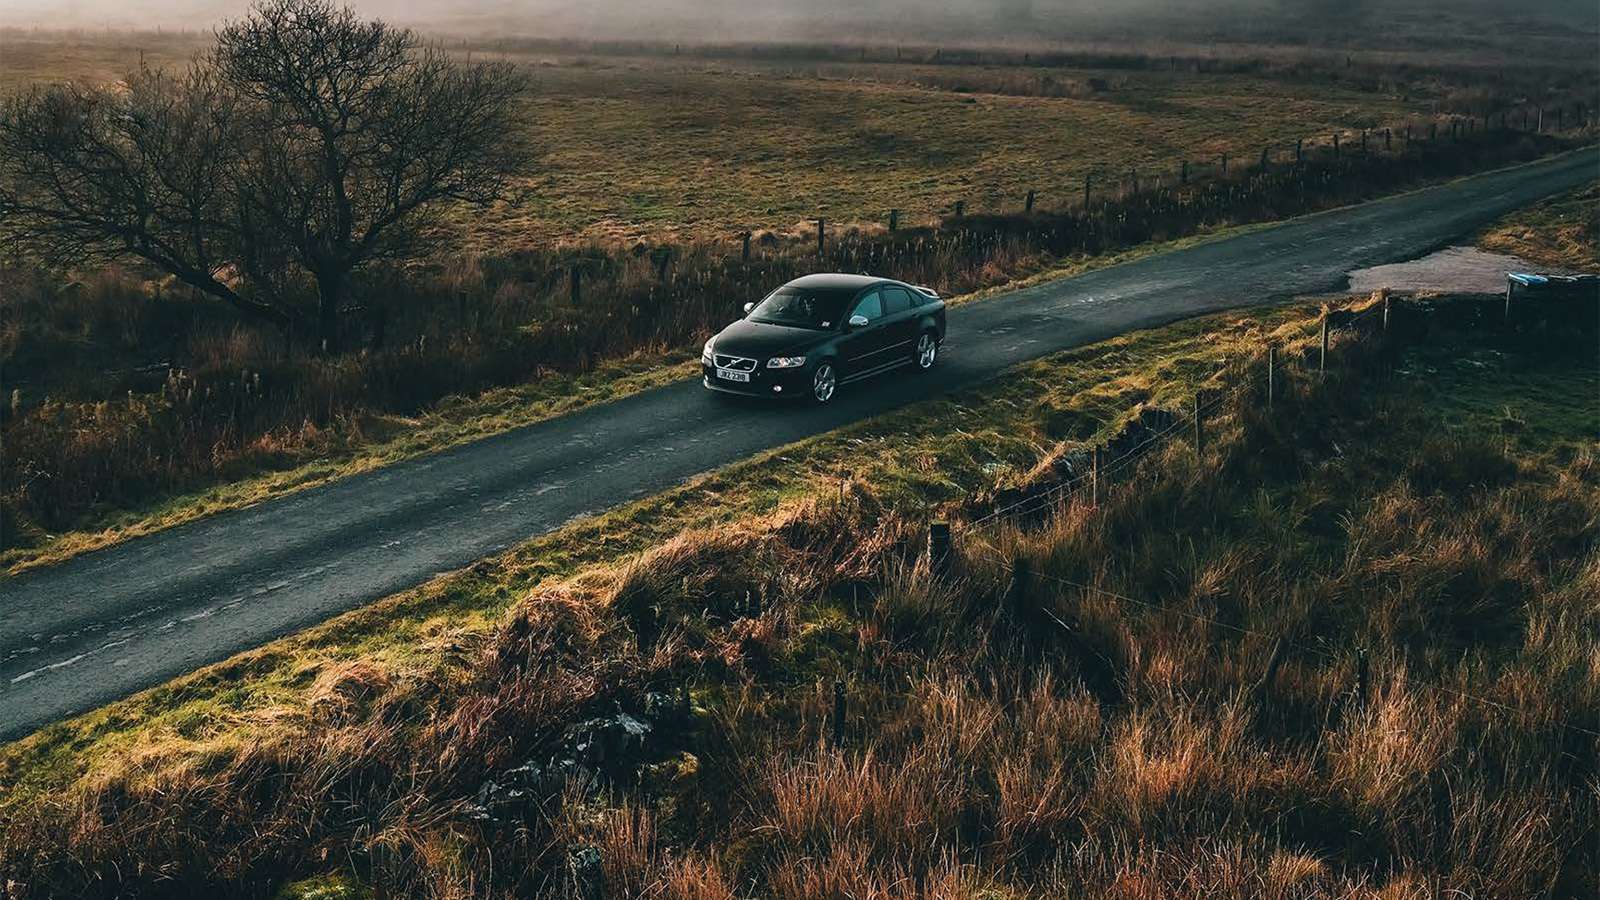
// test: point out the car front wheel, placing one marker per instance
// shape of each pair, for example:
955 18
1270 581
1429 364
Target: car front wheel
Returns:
927 351
824 382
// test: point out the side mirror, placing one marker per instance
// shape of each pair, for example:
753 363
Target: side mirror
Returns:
749 306
859 322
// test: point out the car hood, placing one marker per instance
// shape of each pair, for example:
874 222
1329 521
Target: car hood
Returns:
759 340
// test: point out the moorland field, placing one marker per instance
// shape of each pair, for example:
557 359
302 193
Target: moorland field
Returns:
1341 642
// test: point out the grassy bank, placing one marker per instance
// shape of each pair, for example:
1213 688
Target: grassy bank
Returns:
1008 737
1562 231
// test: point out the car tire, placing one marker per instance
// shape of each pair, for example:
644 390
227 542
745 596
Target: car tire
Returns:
824 383
925 352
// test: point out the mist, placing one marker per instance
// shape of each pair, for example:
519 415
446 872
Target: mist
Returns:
1001 21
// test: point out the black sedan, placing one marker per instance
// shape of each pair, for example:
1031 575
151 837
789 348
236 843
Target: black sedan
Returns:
812 335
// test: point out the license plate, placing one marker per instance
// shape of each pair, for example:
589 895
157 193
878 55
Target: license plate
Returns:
730 375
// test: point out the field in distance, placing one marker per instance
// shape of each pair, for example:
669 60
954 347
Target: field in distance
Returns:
637 146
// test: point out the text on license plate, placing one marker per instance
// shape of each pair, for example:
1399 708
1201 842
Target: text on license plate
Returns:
731 375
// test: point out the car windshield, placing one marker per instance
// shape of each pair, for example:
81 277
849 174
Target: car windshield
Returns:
802 307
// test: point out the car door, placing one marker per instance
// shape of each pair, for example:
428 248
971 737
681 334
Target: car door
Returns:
861 347
900 317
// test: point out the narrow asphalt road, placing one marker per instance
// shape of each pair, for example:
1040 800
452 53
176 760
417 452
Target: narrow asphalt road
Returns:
106 624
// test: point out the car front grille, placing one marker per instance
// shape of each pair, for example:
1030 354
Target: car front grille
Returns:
736 363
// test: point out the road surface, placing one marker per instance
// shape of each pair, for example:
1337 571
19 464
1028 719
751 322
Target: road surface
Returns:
106 624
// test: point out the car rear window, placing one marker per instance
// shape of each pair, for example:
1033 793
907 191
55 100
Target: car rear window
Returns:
896 300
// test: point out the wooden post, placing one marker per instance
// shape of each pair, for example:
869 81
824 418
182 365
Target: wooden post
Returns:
1363 142
1299 150
1322 360
1265 157
822 236
1224 163
1385 313
939 547
1433 132
1335 145
1017 596
577 285
1028 203
1388 142
1183 172
894 219
961 208
1133 179
744 254
1094 478
838 713
1408 135
1199 426
1086 179
1272 363
1363 674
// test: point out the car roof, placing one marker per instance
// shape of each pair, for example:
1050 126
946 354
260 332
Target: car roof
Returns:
836 281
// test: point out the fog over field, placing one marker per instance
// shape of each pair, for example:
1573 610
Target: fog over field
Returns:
1034 21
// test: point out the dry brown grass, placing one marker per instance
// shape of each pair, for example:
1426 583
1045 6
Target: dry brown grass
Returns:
1003 737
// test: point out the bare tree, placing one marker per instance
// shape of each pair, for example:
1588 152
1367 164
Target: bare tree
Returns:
305 145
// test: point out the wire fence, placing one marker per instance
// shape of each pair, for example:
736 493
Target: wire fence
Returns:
973 531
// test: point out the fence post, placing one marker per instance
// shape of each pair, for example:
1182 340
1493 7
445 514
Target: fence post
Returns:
1387 140
939 547
1028 203
1183 173
1086 178
1433 132
1539 125
1299 150
1272 363
894 219
1336 145
1385 313
822 236
744 254
1322 360
1363 142
1133 179
1199 427
577 285
1094 478
1509 285
838 713
1224 163
961 208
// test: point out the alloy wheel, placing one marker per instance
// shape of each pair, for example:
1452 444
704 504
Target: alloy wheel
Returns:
823 383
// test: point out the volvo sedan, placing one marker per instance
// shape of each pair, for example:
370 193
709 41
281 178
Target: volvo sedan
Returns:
815 334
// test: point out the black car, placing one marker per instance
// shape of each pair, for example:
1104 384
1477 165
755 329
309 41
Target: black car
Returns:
815 333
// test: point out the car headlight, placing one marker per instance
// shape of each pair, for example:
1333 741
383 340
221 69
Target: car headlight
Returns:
786 362
705 353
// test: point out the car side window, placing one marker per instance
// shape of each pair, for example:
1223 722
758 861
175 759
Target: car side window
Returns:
896 300
870 306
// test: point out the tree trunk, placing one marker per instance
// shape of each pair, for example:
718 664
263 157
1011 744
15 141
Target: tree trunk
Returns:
330 292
